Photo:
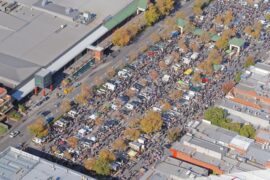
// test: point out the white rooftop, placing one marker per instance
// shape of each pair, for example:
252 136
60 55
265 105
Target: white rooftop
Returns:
241 142
16 164
36 38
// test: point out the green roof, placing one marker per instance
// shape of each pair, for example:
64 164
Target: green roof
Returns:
142 4
216 67
125 13
181 22
215 37
237 42
198 32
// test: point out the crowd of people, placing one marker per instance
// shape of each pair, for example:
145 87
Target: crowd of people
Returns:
142 85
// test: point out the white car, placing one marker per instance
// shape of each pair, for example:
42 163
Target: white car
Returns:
13 134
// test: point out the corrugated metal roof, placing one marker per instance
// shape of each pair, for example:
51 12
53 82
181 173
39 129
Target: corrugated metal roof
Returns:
62 61
126 12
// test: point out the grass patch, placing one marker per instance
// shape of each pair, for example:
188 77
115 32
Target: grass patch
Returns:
3 128
14 115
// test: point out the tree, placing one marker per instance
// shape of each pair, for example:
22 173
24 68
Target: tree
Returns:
80 99
206 66
72 142
219 19
155 37
165 6
121 37
189 28
267 16
65 82
227 86
194 46
134 123
166 106
101 166
247 131
67 155
89 164
182 45
153 74
216 115
196 78
173 134
214 57
237 77
228 17
131 92
86 91
38 128
162 65
176 56
110 72
65 106
175 94
181 15
151 122
119 144
99 121
205 37
22 108
152 14
132 134
170 24
84 95
222 42
197 10
248 30
107 155
249 61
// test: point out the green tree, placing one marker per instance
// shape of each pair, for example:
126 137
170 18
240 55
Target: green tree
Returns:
249 61
215 114
101 166
173 134
248 131
234 126
22 108
237 77
151 122
152 14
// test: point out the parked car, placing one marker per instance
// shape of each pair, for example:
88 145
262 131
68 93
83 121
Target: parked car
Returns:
13 134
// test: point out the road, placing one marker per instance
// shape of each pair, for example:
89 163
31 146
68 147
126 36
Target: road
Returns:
100 71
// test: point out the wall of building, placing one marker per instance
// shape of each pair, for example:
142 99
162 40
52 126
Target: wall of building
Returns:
205 151
185 157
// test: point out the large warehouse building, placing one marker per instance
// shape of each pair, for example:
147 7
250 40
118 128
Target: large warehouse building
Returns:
43 34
